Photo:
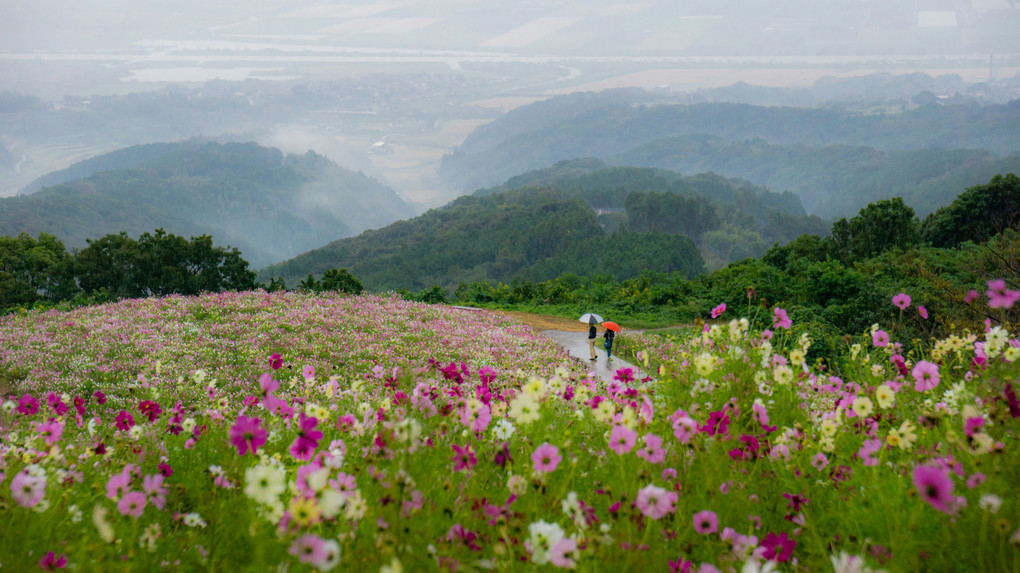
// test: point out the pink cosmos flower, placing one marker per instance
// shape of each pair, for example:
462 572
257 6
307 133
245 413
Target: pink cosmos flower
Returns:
153 487
902 301
652 452
622 439
124 421
880 339
654 502
999 296
781 319
308 549
563 552
463 458
308 372
971 296
276 361
922 311
926 375
706 522
819 461
28 405
50 432
934 486
487 374
118 484
132 503
718 310
28 490
247 434
100 397
546 458
975 480
868 451
684 428
50 561
778 548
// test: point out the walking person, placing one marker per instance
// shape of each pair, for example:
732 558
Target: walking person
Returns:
609 335
593 334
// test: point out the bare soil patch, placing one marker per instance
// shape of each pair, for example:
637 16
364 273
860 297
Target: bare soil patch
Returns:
542 322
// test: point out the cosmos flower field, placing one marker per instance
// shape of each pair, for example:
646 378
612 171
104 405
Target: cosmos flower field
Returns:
296 432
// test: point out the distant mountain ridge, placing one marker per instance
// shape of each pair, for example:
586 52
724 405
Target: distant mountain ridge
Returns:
268 205
615 125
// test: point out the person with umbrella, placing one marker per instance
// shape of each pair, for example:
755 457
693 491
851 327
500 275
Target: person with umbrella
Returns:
611 329
592 319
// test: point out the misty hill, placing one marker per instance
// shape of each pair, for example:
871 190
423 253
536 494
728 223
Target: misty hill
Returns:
530 234
268 205
830 180
607 124
120 159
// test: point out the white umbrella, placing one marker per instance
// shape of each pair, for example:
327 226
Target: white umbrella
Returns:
590 317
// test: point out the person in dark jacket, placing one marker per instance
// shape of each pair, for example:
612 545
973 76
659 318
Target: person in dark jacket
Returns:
609 342
593 333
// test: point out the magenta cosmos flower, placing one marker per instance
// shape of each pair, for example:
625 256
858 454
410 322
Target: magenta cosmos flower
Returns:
28 405
307 439
718 310
247 434
150 410
778 548
902 300
934 486
124 421
926 375
51 562
546 458
463 458
706 522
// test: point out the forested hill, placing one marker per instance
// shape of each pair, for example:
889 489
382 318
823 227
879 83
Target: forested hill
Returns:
530 234
268 205
608 124
729 219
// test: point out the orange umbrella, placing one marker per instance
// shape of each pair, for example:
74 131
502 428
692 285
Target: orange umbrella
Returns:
611 325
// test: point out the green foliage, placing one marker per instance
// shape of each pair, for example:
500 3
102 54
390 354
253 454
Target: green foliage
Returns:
878 227
41 274
160 264
977 214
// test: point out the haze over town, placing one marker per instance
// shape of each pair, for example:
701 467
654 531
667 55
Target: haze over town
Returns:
420 75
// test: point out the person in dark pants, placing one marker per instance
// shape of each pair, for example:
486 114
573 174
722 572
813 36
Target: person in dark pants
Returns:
592 335
609 342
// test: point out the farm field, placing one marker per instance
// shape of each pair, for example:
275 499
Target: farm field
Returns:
286 431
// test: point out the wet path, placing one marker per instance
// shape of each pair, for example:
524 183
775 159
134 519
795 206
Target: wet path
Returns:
576 345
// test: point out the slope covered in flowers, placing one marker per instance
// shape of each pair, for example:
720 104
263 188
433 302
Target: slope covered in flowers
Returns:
282 431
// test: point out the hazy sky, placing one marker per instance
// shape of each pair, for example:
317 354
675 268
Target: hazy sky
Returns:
53 45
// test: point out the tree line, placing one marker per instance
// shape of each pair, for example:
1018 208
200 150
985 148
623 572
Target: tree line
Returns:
40 272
